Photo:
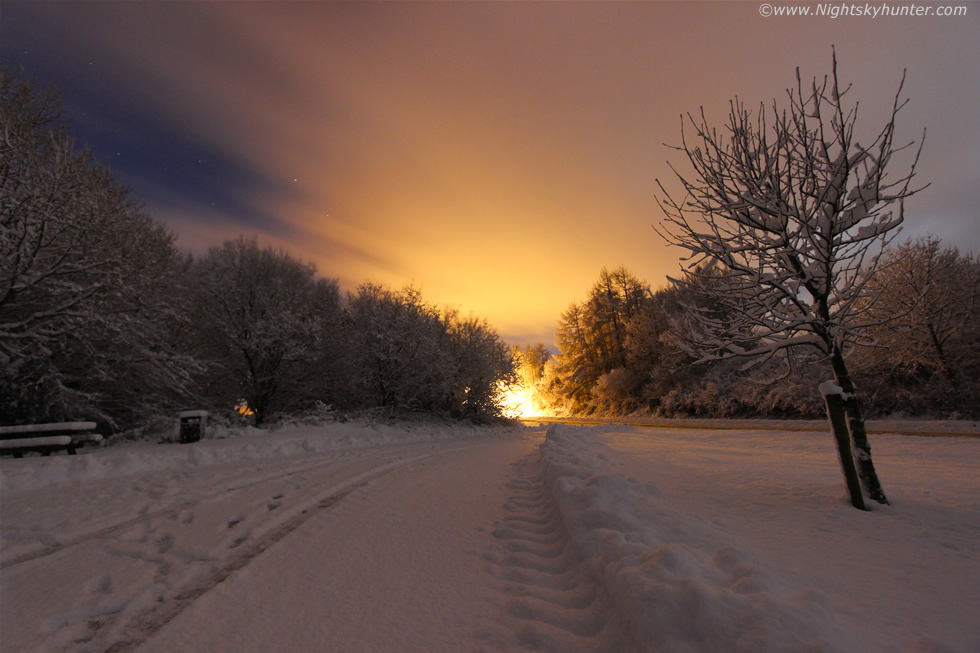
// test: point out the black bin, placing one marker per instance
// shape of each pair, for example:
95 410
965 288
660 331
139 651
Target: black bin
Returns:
193 424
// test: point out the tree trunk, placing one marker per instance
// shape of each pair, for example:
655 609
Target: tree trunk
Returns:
838 419
944 365
861 448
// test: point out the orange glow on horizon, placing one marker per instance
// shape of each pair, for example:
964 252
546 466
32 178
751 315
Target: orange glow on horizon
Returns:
518 401
495 155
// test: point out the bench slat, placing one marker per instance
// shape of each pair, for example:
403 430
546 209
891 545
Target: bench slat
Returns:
83 438
47 441
60 428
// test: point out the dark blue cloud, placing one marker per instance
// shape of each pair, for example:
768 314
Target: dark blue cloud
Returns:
164 164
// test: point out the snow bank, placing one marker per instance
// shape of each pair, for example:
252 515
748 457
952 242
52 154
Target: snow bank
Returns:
248 444
674 577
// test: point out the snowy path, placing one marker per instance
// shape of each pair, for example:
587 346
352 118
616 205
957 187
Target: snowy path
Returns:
397 565
104 564
610 538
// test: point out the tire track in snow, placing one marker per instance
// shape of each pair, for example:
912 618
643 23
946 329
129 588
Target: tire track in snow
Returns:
141 626
169 512
154 566
555 603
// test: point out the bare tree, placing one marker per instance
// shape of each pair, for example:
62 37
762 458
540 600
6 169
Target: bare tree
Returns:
88 281
407 356
784 218
398 345
927 360
936 293
260 312
479 364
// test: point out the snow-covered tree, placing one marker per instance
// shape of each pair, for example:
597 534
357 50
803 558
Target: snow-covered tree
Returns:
784 218
576 367
931 351
260 312
936 294
592 336
406 355
398 344
89 308
481 363
654 350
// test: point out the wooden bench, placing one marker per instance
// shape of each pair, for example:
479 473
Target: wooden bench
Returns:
47 438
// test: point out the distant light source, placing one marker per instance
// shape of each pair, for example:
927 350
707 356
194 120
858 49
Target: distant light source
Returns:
243 409
518 401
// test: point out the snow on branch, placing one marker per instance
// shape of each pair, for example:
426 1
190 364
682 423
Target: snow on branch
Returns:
783 221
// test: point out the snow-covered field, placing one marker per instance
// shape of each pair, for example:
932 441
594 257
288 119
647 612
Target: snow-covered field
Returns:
351 537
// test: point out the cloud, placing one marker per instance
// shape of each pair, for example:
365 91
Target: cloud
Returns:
497 154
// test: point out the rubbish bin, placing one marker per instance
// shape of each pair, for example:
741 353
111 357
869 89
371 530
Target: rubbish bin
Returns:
192 425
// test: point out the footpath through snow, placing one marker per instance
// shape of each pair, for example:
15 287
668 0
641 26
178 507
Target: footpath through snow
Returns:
604 538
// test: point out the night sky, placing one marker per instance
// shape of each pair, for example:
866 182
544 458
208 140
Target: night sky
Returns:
498 155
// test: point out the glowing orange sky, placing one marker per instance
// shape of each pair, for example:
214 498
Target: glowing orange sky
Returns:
496 154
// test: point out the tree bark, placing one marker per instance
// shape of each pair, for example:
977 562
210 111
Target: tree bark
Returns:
944 365
837 417
860 446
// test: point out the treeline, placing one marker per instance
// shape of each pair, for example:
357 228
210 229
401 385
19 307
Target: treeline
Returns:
623 350
103 317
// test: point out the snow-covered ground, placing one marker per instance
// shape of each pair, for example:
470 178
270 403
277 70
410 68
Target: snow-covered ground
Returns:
351 537
744 540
